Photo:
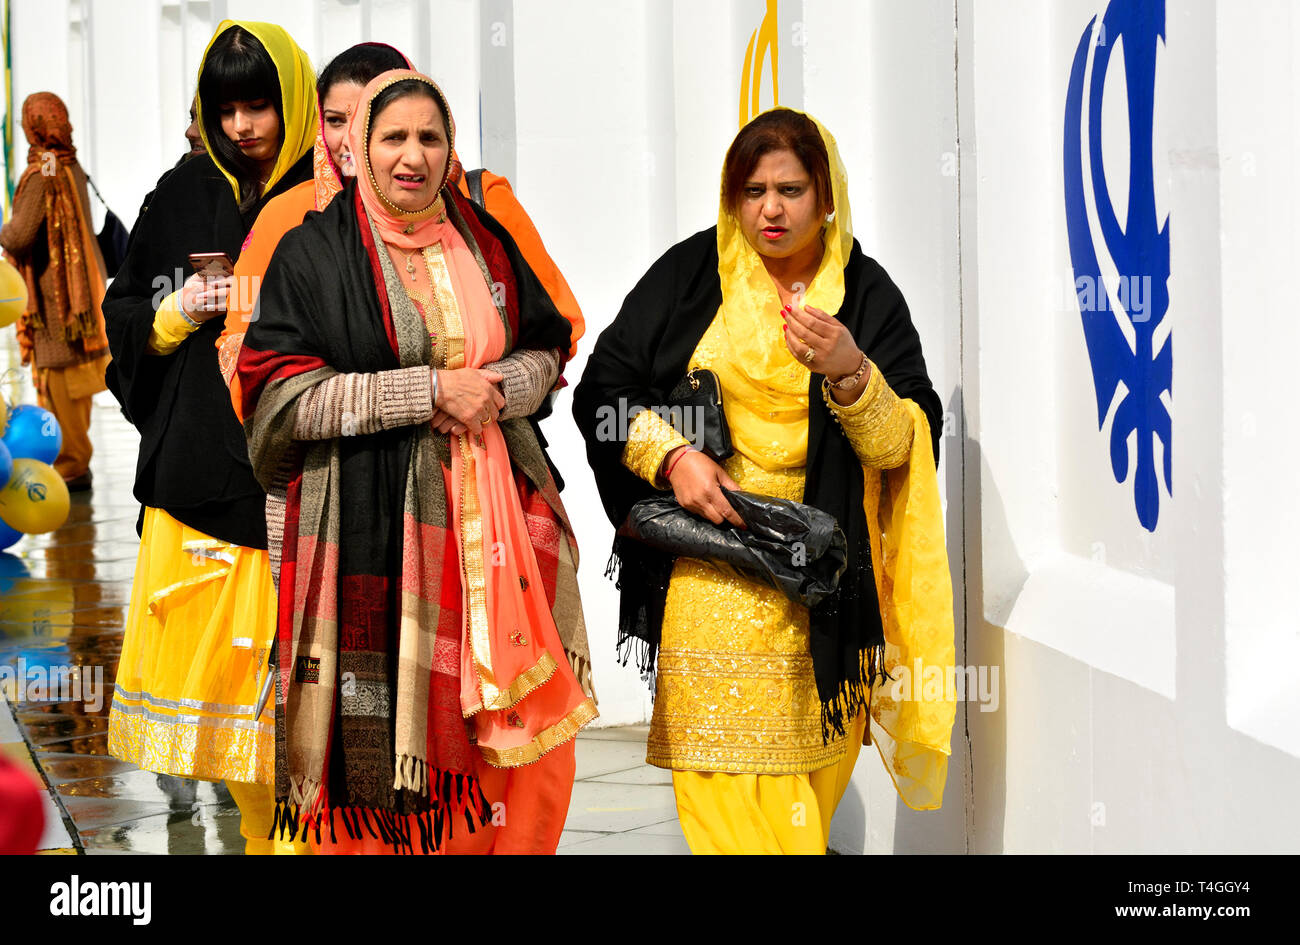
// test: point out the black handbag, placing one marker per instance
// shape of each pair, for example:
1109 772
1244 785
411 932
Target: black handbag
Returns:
695 411
791 547
112 237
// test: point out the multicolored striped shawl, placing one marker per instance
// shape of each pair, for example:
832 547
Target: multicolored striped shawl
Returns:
368 721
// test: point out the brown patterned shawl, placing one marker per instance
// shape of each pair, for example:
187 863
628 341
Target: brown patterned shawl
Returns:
72 308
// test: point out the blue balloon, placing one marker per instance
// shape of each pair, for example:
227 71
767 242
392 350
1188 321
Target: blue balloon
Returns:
33 433
6 464
11 568
8 536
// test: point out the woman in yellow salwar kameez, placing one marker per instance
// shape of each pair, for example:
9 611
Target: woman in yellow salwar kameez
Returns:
761 704
192 696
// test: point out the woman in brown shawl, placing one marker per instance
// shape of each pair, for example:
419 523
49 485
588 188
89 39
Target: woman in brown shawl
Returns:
49 240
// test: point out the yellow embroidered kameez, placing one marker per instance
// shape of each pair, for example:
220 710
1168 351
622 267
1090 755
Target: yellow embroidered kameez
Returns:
737 715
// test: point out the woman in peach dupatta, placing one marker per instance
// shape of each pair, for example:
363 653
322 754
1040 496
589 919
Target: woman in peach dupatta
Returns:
428 570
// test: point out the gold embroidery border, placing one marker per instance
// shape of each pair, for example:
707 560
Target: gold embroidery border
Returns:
524 683
187 750
649 439
453 322
471 539
544 741
740 761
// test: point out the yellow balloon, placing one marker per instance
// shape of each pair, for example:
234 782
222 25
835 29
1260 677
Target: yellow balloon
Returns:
36 499
13 294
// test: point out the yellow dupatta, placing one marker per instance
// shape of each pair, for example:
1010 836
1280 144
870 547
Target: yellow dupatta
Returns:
297 96
767 411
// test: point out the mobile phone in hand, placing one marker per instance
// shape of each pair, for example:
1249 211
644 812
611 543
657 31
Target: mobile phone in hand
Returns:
212 265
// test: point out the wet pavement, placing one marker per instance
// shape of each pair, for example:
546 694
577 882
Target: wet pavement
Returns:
63 603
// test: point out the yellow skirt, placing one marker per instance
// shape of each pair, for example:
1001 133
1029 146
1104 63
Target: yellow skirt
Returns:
193 695
764 813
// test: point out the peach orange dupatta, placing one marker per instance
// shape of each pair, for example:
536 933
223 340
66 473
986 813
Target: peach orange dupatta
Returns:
515 682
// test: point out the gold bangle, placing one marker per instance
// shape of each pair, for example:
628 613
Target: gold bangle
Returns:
850 381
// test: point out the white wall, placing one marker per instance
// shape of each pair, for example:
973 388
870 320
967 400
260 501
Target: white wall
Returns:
1132 710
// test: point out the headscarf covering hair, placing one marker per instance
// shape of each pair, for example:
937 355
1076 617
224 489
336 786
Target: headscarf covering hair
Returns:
747 289
298 105
74 293
398 227
325 171
46 125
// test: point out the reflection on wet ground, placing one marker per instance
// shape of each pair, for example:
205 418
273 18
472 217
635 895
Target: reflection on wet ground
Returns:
63 602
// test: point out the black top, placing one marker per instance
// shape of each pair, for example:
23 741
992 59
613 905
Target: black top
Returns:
193 460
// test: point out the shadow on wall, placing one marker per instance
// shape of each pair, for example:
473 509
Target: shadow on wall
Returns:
974 811
984 739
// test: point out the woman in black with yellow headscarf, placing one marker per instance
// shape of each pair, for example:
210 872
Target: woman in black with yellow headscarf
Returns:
761 703
192 690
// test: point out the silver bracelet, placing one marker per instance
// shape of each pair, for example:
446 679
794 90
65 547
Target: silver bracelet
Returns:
186 315
435 388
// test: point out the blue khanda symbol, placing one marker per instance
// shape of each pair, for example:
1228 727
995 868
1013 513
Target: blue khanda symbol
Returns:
36 492
1139 250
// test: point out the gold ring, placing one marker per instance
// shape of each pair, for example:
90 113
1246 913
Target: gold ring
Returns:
809 355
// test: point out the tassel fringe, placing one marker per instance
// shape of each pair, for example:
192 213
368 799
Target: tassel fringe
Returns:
854 694
449 794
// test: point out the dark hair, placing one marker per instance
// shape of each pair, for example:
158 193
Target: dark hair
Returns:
237 69
403 89
359 64
777 130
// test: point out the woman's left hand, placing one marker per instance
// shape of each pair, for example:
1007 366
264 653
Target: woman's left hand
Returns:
446 423
470 396
819 342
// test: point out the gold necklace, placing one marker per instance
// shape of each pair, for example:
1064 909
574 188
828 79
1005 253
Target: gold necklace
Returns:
410 266
430 306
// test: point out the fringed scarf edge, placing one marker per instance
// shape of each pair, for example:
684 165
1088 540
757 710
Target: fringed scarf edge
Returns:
854 695
450 795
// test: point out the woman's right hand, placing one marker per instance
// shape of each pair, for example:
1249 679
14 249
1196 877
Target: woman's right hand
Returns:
203 298
698 482
469 396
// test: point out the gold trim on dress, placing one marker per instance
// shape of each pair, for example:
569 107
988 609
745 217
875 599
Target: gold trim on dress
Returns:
552 738
524 683
453 324
200 749
649 439
878 424
471 539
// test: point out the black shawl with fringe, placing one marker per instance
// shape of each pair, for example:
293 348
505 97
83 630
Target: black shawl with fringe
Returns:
645 352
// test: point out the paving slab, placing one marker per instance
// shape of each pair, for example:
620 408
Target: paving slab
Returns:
616 808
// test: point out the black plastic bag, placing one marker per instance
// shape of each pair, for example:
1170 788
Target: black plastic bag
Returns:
112 237
793 548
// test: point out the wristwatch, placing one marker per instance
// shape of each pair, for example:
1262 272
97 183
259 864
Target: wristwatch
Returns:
850 381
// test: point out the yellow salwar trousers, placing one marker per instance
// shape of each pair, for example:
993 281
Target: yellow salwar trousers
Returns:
724 813
256 804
